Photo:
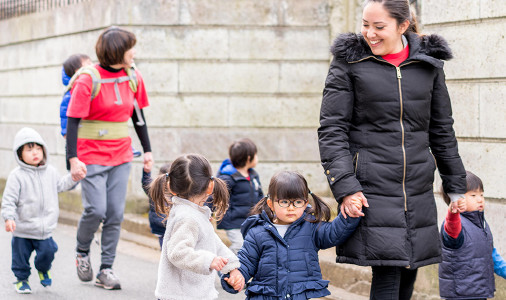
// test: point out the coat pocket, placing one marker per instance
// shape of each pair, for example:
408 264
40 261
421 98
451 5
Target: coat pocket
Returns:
308 264
359 166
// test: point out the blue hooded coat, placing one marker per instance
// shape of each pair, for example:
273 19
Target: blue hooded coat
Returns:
64 103
244 194
288 267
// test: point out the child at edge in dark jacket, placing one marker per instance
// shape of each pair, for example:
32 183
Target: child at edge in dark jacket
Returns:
156 220
244 187
282 240
468 244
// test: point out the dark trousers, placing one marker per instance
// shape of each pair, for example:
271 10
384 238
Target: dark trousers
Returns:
392 283
22 250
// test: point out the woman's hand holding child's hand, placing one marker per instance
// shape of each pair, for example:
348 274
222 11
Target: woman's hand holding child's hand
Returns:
148 162
77 169
10 225
218 263
236 280
352 205
458 206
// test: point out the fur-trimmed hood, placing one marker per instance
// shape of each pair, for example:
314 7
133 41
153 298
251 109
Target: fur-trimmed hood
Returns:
433 48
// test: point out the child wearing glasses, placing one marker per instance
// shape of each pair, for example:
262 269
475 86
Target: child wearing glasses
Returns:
282 239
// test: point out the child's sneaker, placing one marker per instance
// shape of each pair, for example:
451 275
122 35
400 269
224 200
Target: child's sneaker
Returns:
22 287
83 264
107 280
45 278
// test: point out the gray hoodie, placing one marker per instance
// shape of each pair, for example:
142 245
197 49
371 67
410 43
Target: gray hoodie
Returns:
30 197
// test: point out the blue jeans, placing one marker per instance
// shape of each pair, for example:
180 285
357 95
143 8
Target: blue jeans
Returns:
22 250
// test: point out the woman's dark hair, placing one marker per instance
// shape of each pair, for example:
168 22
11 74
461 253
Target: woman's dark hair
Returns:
473 183
400 11
189 176
241 152
74 63
30 145
112 45
291 185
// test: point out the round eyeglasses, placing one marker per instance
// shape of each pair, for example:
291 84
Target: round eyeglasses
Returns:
296 203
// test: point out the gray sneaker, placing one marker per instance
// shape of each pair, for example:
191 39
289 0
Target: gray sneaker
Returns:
84 271
107 280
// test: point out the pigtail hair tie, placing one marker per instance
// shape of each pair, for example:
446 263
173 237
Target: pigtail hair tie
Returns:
166 176
212 177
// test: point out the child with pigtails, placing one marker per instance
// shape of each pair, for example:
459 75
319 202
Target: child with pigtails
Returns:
281 242
191 250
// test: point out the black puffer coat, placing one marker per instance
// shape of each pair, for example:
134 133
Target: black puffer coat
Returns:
382 130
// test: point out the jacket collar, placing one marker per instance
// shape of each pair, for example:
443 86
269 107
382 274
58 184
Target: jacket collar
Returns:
476 217
238 176
227 168
203 209
352 47
263 220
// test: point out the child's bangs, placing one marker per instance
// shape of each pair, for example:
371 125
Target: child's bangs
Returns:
290 187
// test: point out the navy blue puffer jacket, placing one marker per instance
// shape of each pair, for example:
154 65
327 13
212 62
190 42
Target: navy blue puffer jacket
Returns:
244 194
288 267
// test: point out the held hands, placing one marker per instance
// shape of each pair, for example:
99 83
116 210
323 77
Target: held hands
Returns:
236 280
458 206
218 263
10 225
77 169
148 162
352 205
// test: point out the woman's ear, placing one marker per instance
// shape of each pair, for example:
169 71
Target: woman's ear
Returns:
210 187
403 27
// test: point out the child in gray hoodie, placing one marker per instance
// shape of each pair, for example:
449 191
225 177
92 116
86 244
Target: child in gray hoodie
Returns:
30 208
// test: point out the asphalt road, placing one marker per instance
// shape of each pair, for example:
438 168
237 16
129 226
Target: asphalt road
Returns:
135 265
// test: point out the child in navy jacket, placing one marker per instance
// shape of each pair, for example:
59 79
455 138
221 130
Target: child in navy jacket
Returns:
282 240
244 187
469 256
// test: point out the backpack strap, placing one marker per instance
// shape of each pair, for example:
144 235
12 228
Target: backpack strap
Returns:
133 82
95 80
116 88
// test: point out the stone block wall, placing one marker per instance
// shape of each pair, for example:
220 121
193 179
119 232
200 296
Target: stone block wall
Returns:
476 80
215 70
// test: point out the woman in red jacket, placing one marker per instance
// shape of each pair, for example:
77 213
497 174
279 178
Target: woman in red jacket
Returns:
99 148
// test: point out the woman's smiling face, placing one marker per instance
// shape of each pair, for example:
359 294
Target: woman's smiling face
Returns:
381 31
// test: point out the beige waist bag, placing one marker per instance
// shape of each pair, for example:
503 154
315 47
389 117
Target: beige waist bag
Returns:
102 130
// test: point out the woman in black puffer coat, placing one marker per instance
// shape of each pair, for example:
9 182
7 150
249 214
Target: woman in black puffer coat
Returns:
383 130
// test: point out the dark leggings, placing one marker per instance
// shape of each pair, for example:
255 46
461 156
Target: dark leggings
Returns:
392 283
